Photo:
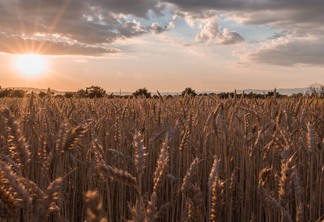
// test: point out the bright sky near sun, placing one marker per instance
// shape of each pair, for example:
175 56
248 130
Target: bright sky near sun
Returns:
164 45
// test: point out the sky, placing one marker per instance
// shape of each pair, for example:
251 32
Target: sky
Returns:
165 45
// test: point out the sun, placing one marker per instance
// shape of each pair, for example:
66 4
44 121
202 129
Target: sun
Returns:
30 65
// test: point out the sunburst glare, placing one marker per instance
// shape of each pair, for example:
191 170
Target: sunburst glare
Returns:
30 65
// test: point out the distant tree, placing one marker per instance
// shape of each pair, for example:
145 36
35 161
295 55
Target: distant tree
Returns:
3 93
59 96
111 96
12 93
49 93
18 93
297 95
223 95
95 92
69 94
127 97
142 93
188 92
42 94
273 94
316 90
80 93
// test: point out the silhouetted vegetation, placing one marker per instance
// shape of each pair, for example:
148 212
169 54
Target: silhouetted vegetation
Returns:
69 94
297 95
316 90
188 92
95 92
90 92
42 94
81 93
12 93
143 92
250 95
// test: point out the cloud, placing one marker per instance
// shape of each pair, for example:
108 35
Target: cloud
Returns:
246 5
284 14
281 34
157 29
92 27
231 37
77 20
128 29
290 50
138 8
300 38
211 31
281 14
20 45
89 25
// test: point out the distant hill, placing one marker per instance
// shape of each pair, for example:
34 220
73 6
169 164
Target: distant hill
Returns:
35 90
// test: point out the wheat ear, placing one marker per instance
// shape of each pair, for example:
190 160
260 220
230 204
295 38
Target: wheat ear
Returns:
95 212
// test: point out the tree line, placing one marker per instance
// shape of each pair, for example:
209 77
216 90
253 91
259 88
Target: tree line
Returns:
315 90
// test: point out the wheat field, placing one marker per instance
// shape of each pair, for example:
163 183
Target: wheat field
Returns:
178 159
